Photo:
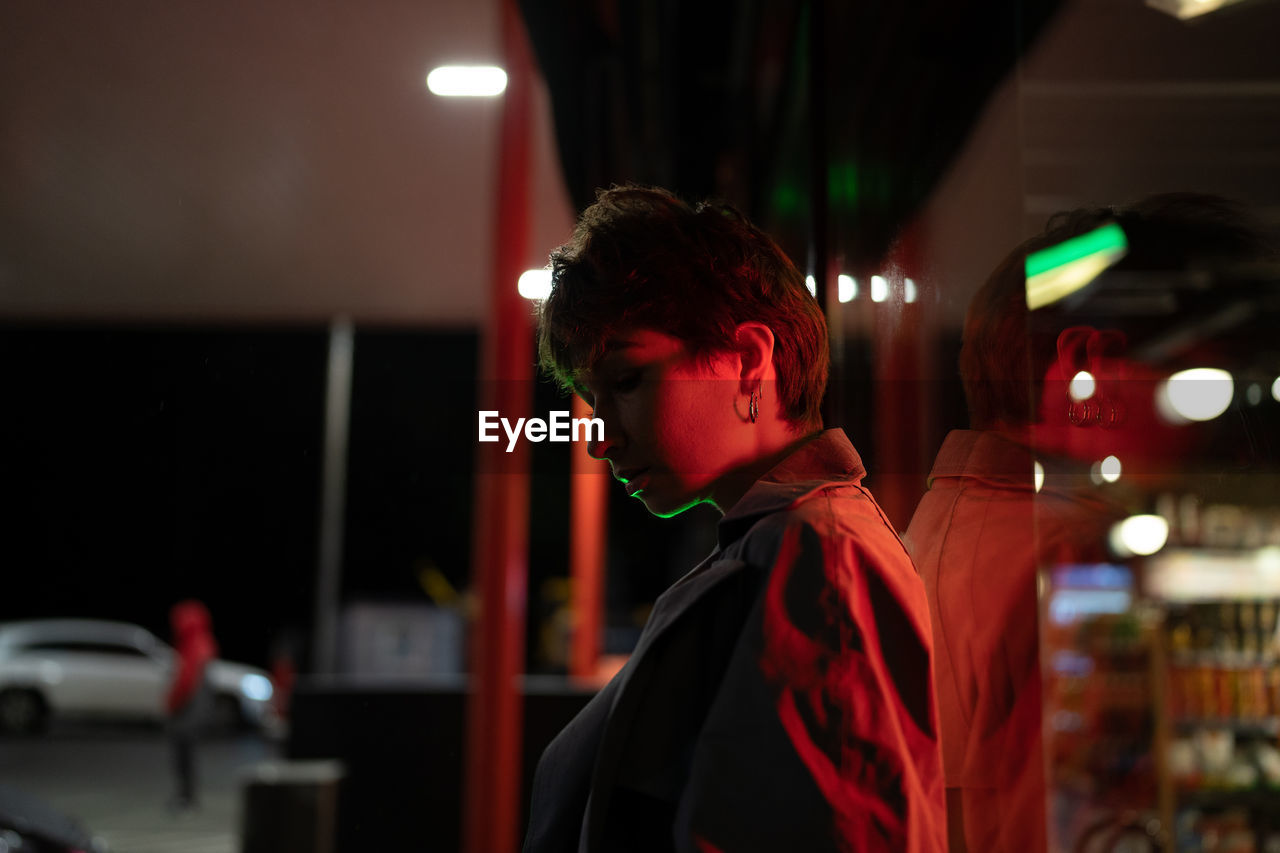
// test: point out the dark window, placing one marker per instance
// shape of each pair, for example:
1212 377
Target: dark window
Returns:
89 646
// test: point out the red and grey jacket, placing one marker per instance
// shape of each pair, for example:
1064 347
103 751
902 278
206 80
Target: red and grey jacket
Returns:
193 639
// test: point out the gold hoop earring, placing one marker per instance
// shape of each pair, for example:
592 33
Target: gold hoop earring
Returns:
753 405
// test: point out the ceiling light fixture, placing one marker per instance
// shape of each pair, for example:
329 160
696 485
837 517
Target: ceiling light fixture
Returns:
534 284
1186 9
467 81
847 287
879 288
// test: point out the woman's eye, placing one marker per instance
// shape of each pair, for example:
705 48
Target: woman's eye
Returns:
627 382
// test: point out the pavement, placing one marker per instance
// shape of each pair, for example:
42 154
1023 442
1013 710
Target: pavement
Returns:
118 784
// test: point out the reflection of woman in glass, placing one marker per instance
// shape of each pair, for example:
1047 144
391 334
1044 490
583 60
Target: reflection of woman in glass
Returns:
1013 496
780 696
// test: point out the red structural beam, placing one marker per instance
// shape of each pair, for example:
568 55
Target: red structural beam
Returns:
588 498
501 520
904 396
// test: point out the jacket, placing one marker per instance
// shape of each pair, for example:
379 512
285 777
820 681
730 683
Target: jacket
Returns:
779 698
978 537
195 647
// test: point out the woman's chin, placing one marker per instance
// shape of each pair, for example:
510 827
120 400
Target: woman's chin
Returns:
665 505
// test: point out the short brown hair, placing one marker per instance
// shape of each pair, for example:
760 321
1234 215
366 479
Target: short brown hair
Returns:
642 258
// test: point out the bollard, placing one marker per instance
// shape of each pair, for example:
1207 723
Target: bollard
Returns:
291 807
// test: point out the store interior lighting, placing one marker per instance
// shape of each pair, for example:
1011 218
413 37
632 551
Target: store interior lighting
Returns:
1198 394
1141 535
1059 271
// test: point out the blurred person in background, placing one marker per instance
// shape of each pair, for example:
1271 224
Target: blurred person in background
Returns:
190 697
286 652
779 697
988 522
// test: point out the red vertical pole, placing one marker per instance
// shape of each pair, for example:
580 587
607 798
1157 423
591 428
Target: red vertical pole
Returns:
501 521
902 398
587 502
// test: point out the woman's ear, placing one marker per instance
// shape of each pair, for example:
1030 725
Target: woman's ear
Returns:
755 353
1085 348
1073 349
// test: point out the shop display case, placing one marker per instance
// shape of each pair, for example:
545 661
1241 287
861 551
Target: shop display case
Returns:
1161 661
1163 694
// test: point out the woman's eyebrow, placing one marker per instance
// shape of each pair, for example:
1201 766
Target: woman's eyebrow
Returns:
615 344
611 348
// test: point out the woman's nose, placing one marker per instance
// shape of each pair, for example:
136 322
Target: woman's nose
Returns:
598 447
601 441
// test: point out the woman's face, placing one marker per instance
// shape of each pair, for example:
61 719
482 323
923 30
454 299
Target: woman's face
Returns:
673 427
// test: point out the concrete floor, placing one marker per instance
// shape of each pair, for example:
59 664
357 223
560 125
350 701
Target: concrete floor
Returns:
117 783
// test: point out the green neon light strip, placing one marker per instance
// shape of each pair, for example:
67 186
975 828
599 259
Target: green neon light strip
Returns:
1060 270
1108 238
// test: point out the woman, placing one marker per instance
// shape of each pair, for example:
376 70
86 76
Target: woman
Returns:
779 697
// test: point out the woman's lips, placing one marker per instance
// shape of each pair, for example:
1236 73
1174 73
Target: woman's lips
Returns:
633 480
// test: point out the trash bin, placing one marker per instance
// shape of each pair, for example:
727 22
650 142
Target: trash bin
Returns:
291 807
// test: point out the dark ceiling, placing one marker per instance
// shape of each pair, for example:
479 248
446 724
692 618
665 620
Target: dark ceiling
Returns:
761 101
282 161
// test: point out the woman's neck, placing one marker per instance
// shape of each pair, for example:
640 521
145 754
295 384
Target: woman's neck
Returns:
775 446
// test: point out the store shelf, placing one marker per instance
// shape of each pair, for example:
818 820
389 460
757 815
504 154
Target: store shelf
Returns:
1224 798
1259 729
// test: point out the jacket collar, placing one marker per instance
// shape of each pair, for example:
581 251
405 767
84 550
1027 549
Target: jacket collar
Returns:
825 458
983 455
986 456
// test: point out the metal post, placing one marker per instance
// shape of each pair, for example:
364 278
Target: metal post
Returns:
588 501
337 407
501 522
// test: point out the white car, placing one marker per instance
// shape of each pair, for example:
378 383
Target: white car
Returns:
91 668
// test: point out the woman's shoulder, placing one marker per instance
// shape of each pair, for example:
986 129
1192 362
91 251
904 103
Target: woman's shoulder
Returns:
835 547
840 522
839 510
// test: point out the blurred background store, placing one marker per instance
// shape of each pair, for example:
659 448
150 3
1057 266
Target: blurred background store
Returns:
254 281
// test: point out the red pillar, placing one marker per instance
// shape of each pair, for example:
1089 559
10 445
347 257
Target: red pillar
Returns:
904 396
501 522
587 507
